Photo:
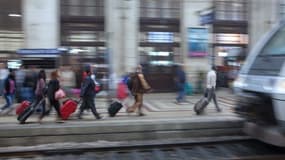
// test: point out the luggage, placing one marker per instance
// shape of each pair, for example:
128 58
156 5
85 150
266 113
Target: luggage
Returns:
114 108
21 107
68 107
200 105
22 117
122 91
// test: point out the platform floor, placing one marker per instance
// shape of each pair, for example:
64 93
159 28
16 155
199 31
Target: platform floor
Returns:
156 106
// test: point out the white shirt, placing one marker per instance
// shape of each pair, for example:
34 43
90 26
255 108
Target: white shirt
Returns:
211 79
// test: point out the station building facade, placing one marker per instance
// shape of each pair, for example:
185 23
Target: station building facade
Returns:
116 35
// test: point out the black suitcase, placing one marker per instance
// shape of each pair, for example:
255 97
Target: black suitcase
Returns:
114 108
28 112
200 105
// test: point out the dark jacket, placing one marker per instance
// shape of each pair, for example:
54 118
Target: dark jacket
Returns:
53 86
180 76
88 88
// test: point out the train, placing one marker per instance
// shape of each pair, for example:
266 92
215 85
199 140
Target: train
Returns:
260 88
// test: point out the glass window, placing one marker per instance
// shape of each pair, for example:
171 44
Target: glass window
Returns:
160 8
275 46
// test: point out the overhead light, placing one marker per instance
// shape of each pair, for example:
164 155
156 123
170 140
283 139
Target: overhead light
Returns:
222 54
14 15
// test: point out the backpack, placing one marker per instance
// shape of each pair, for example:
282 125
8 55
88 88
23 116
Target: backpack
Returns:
129 83
129 80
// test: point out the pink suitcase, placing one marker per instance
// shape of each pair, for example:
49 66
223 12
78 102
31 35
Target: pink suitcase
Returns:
68 108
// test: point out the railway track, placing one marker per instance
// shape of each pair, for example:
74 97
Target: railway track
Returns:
229 149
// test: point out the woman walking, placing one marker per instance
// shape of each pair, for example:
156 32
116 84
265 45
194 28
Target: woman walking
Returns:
39 92
53 86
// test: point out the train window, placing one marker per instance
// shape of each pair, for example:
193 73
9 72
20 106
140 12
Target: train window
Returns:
275 46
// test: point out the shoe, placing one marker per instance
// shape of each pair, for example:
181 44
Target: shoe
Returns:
219 110
130 110
141 114
98 116
58 120
40 120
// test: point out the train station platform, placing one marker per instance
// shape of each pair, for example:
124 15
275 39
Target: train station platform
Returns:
164 119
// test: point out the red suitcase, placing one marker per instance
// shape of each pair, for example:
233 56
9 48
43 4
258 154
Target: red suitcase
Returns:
21 107
68 108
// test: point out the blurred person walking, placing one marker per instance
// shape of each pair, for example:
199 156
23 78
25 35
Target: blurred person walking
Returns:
139 87
9 90
87 94
29 85
53 86
180 80
3 75
20 77
211 87
40 92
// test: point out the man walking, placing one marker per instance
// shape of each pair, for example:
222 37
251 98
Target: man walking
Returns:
87 94
180 79
139 87
211 87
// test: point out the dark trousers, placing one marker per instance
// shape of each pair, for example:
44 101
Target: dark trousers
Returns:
211 94
88 102
40 99
56 105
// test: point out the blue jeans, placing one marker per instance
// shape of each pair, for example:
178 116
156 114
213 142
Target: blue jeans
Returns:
181 92
9 100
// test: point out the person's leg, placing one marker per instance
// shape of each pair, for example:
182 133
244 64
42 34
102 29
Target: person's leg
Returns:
8 99
43 105
91 103
1 87
57 108
180 93
140 103
134 106
215 101
81 108
183 92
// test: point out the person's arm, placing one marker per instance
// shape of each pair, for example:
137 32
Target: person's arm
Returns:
84 87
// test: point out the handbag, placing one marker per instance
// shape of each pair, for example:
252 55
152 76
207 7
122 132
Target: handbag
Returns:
59 94
97 88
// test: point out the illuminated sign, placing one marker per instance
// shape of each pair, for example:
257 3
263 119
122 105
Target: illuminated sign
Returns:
160 37
39 51
197 42
231 38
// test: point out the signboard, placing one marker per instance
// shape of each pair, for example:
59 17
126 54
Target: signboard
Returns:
160 37
53 51
206 17
197 42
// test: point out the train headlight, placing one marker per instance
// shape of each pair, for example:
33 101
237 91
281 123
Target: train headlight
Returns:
240 82
280 86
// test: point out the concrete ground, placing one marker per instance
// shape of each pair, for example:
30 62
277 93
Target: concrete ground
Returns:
156 106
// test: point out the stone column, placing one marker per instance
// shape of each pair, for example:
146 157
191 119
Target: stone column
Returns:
190 18
41 23
121 22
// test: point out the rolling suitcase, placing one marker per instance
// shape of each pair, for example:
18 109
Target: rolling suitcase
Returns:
68 108
114 108
28 111
21 107
200 105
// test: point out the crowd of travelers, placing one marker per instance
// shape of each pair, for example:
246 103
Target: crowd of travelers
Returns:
37 86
